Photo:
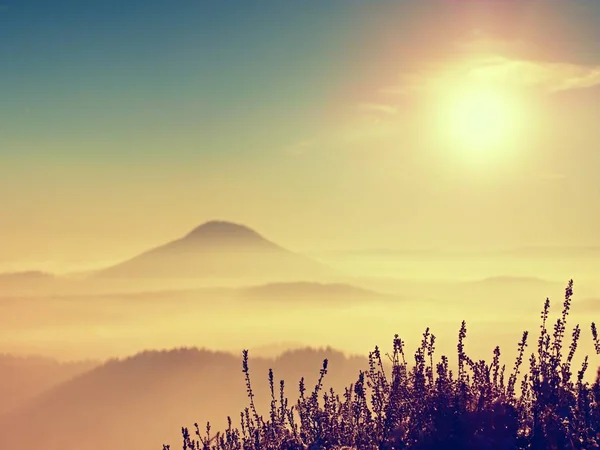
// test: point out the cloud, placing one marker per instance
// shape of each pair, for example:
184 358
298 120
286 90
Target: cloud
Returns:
366 132
500 71
550 77
299 148
479 41
378 108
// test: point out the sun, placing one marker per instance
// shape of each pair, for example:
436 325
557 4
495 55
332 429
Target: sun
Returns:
481 121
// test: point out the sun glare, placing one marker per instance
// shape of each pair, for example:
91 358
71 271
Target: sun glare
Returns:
481 122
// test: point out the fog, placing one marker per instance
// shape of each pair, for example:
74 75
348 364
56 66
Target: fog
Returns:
90 357
351 314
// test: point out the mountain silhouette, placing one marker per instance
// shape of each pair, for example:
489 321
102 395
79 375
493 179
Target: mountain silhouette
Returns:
218 249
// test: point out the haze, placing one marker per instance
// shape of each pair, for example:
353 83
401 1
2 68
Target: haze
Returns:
284 177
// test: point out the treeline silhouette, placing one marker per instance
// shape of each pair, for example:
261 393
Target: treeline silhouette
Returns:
23 378
426 405
138 401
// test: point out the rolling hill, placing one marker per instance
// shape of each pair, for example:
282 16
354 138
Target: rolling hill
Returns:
142 401
23 378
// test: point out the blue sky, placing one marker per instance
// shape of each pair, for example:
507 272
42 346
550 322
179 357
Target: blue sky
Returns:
81 71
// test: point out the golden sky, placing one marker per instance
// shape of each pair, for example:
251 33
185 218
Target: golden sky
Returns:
346 125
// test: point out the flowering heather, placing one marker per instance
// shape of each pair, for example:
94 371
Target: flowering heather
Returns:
427 406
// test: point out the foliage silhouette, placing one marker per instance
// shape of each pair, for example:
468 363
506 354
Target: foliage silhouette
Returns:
427 406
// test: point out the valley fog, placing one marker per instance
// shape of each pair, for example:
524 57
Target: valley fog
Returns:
351 314
98 357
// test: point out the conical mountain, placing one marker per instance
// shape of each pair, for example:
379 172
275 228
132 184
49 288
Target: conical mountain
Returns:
218 249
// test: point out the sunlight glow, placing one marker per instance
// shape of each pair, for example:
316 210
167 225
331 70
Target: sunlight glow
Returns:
481 121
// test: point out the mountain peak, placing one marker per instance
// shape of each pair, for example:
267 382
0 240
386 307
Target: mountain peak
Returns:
221 229
218 249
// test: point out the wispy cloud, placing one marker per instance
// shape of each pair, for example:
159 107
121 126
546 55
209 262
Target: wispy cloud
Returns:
551 77
502 71
300 148
378 108
483 58
479 41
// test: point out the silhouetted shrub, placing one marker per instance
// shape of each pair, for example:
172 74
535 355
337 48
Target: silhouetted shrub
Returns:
428 406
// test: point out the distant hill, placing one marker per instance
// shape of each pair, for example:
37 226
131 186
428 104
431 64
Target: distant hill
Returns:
267 291
27 276
221 250
513 281
532 252
26 283
30 279
308 290
23 378
559 252
142 401
589 305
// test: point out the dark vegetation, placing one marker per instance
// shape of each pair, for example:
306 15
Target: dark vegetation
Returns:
427 405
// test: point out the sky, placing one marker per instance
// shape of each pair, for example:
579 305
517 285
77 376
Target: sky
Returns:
322 125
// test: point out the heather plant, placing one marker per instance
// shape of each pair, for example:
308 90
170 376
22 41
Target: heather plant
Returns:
425 405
